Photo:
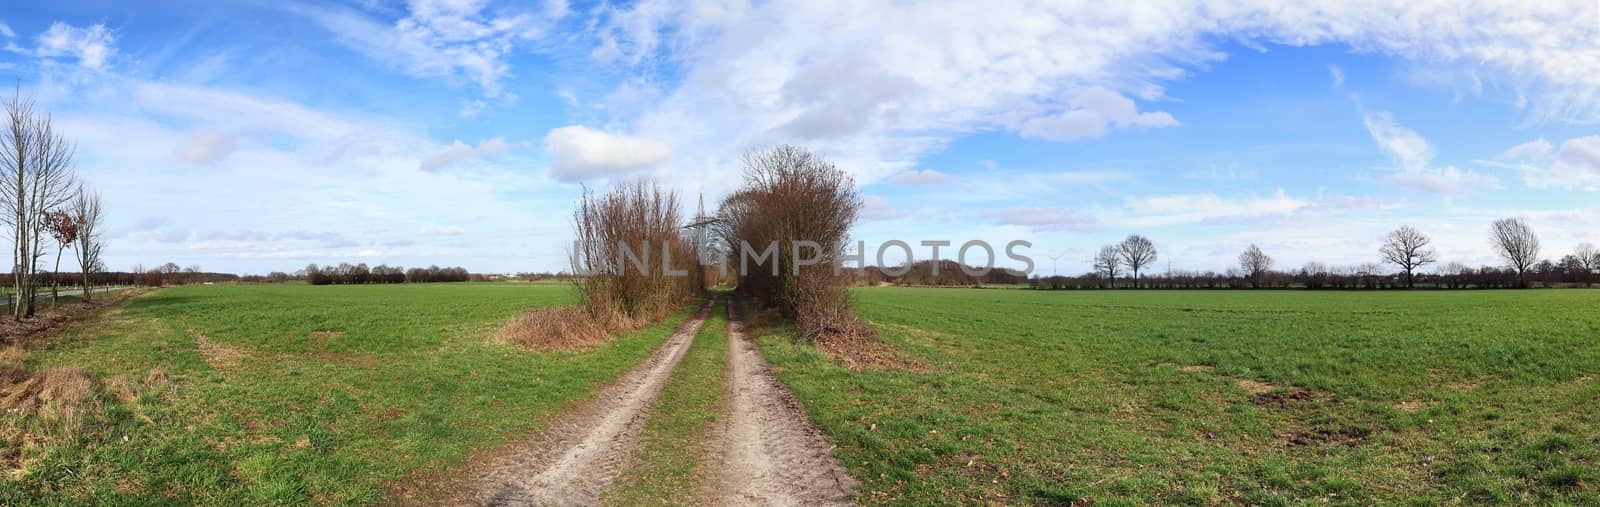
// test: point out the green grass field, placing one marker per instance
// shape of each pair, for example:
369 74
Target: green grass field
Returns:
1259 397
296 394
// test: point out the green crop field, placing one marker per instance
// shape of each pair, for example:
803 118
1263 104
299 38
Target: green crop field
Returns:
294 393
1259 397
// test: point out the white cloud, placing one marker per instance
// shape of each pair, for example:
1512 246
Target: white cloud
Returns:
1413 158
1537 149
922 177
893 82
441 230
457 39
92 46
1156 211
5 31
349 171
1443 180
458 151
579 153
1336 73
1575 165
207 147
1091 114
1040 219
877 208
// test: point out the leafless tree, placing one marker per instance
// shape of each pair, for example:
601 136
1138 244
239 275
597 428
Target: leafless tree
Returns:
1516 243
1136 252
1408 248
168 273
36 166
1588 262
1254 264
85 210
1108 261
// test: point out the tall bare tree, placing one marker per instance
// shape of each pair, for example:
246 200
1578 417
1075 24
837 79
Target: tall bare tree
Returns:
1136 252
1254 263
1517 244
1588 262
86 211
1108 261
1408 248
36 166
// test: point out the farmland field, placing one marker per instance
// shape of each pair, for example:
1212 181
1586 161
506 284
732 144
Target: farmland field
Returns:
1260 397
295 393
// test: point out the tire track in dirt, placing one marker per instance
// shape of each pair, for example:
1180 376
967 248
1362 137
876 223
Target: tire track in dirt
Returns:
576 458
771 453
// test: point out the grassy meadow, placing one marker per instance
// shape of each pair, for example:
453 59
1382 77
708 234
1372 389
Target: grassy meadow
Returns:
1174 397
294 394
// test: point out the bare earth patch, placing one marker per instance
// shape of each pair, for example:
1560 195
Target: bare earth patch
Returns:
327 335
1253 386
218 355
772 454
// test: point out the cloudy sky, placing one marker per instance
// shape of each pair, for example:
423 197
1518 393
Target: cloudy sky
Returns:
250 136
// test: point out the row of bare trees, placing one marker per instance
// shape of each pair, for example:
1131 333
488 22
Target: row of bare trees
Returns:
1407 249
42 203
345 273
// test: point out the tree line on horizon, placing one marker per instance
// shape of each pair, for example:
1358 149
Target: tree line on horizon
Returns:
1406 250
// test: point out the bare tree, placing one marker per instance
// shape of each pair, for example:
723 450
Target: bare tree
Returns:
85 210
1588 262
36 166
168 273
1516 243
1408 248
1137 252
1107 262
1254 263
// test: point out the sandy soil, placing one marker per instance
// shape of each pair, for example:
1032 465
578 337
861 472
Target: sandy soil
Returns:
572 461
771 454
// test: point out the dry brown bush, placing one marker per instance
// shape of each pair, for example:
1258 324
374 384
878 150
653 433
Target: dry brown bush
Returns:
791 196
570 327
622 236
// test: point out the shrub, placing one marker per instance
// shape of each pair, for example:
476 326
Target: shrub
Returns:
791 196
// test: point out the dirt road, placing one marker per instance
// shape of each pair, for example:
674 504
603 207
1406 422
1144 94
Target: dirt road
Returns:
572 461
771 454
765 451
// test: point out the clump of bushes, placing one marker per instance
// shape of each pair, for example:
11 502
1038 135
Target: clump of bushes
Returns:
801 207
634 266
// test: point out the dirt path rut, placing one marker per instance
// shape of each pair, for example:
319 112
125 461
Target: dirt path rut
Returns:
771 453
572 461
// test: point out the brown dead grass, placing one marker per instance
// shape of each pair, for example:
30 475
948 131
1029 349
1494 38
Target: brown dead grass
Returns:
1253 386
1197 368
563 328
61 395
218 355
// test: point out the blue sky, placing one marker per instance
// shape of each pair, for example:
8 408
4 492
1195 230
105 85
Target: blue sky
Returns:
259 136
